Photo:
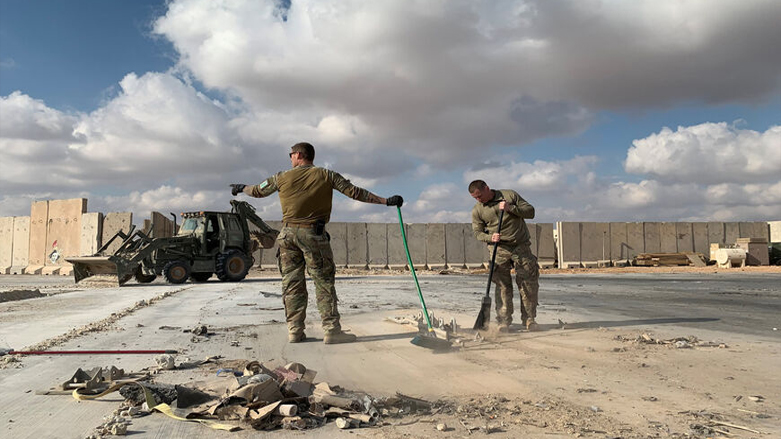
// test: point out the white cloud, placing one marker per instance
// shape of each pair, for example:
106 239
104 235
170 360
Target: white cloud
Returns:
540 176
708 153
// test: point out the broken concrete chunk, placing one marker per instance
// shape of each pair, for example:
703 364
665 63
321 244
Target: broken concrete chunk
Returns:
296 367
165 362
287 409
343 423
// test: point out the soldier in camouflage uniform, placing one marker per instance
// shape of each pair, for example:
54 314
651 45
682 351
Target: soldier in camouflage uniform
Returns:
305 193
514 250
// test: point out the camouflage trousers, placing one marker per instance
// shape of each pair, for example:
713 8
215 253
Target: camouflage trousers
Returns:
299 247
527 275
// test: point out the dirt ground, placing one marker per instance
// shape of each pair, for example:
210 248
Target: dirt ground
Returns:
577 377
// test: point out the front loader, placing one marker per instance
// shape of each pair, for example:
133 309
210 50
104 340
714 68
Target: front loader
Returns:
207 243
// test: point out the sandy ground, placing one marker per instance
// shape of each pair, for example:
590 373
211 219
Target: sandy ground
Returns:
580 376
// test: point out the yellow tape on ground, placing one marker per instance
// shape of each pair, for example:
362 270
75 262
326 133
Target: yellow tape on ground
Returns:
162 408
168 411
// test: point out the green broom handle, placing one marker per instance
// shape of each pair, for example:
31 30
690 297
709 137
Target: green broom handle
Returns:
412 269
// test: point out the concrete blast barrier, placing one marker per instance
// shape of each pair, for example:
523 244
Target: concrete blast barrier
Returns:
455 251
569 244
546 246
758 230
416 239
63 235
113 222
619 244
21 249
594 244
668 238
635 239
39 216
357 252
6 243
715 236
377 244
435 246
91 233
161 226
397 257
474 250
700 238
774 229
731 233
652 237
684 238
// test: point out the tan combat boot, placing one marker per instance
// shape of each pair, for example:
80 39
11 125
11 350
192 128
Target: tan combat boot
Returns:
339 337
531 325
296 337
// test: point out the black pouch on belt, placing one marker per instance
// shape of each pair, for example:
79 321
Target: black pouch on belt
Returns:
319 227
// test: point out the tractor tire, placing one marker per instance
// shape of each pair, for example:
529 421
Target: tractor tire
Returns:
200 277
232 266
176 272
144 278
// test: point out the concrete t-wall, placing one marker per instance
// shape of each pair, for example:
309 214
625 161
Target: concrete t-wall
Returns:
161 226
435 246
455 244
91 233
113 222
21 250
377 244
39 216
6 243
63 235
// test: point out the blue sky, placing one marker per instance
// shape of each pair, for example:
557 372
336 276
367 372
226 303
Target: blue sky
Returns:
603 110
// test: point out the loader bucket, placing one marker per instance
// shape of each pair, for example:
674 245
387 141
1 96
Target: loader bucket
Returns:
86 266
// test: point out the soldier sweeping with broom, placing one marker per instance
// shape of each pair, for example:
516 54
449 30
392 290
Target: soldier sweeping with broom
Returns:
498 219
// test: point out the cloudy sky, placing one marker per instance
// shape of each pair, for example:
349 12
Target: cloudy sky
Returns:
591 109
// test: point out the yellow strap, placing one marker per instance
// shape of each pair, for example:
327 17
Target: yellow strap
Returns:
162 408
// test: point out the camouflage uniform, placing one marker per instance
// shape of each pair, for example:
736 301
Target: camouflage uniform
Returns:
514 252
305 193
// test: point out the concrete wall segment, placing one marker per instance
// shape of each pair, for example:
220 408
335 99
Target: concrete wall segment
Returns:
113 222
39 217
635 239
731 233
357 252
6 243
652 237
619 245
684 237
474 250
416 238
774 231
21 249
91 233
569 244
668 238
435 246
455 251
546 246
700 238
397 256
377 242
594 242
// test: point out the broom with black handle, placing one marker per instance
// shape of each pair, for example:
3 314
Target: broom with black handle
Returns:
485 310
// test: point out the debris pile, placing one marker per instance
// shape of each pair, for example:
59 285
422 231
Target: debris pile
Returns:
241 394
677 342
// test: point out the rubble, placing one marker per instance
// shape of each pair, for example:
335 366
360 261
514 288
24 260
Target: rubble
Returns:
677 342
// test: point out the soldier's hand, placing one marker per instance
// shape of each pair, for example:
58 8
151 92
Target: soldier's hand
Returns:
496 237
395 200
236 188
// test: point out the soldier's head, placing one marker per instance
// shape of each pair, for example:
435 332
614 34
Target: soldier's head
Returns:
480 191
302 153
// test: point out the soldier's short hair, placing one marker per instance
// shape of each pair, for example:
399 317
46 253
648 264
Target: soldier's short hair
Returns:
477 185
306 150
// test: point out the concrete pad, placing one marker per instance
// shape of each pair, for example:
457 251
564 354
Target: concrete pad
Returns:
774 229
668 239
50 270
338 234
700 238
435 246
91 233
474 250
546 245
112 223
39 216
162 227
397 256
377 241
63 236
6 243
594 242
455 251
731 233
357 252
652 237
21 250
619 248
685 239
569 244
416 239
533 241
635 239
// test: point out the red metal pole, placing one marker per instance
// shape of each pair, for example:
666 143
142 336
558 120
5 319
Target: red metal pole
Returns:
116 352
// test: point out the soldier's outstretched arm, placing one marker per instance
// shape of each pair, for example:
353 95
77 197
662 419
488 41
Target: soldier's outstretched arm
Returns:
264 189
344 186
